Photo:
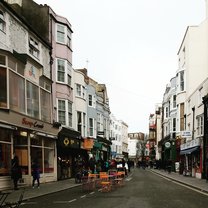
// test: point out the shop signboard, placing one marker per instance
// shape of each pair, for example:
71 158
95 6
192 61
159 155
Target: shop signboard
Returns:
185 134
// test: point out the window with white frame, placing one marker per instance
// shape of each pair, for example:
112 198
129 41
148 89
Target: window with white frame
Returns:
182 81
83 92
65 112
62 111
63 69
90 100
60 33
91 127
200 125
34 47
79 122
174 124
98 121
78 90
166 112
32 100
174 101
70 114
63 35
2 22
105 127
200 96
69 38
69 71
60 70
84 124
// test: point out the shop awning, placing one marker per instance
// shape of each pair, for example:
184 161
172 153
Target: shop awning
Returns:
69 132
189 151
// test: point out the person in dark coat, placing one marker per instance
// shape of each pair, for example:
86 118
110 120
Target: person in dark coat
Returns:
16 173
35 173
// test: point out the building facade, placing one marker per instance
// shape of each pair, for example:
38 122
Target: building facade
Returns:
27 128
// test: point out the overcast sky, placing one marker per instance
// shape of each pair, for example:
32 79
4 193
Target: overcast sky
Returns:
131 46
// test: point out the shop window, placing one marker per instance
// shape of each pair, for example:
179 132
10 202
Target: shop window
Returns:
16 92
3 87
36 141
21 150
5 152
36 154
48 160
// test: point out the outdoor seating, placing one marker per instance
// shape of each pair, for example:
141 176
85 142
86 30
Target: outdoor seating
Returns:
105 183
119 180
88 183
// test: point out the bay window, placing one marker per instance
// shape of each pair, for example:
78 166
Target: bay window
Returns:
32 100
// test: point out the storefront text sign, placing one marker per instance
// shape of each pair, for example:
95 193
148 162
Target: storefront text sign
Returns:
88 143
31 123
185 134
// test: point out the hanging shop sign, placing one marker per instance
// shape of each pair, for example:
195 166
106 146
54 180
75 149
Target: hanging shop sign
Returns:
167 144
88 143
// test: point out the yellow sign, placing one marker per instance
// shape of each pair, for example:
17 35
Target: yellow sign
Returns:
66 141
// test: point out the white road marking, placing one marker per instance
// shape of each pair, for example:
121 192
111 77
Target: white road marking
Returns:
83 196
92 192
60 202
72 200
28 203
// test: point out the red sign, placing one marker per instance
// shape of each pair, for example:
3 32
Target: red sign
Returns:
32 124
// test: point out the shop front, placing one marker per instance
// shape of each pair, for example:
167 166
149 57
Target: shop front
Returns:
29 139
191 154
69 152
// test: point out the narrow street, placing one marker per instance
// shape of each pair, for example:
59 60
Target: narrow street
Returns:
142 189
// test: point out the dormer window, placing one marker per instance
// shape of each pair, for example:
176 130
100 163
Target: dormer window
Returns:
34 47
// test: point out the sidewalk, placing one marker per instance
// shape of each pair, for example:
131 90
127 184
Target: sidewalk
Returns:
44 189
199 184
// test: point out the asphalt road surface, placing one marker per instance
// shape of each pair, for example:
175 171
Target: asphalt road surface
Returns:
142 189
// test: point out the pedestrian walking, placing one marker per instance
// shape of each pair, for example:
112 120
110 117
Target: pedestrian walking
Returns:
16 172
35 173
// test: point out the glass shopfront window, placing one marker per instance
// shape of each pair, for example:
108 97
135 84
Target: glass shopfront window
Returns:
21 150
5 152
49 152
36 151
48 160
36 154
